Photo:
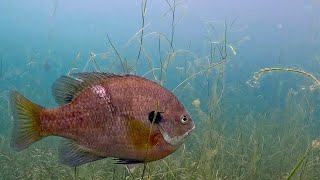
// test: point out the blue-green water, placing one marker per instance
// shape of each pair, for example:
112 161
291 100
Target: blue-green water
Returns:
242 132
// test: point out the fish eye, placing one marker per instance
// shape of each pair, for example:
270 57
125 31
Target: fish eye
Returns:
183 119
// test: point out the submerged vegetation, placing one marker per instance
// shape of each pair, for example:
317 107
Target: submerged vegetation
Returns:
232 140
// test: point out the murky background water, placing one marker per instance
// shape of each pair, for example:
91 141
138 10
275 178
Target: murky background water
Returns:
205 51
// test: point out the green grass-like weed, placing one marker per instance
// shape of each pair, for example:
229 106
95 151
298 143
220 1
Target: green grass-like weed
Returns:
231 141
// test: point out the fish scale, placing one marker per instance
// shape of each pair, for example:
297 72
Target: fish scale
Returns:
104 115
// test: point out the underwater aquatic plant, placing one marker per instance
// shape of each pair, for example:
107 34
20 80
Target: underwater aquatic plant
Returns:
173 23
197 73
73 63
196 103
314 145
119 56
143 14
254 82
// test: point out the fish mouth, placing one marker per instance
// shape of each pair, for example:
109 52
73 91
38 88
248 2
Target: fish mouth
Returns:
177 140
193 127
189 132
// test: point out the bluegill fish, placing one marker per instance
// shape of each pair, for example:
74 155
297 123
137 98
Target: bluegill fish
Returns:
127 117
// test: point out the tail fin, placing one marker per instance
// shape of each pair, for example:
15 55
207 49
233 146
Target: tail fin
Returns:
26 117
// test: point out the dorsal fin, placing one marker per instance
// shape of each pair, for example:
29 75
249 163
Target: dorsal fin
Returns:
66 88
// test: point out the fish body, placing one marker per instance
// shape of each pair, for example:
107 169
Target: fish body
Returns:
126 117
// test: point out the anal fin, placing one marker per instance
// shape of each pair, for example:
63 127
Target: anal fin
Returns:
72 154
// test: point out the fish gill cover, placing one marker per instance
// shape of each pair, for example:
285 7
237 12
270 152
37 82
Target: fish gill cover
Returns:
246 71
